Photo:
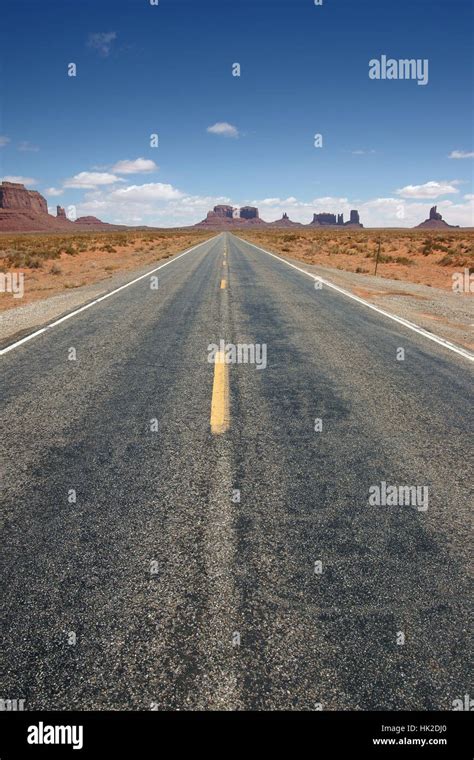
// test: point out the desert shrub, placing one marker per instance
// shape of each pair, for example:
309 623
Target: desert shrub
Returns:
454 260
33 262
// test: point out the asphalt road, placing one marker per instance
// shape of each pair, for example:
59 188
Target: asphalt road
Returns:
180 596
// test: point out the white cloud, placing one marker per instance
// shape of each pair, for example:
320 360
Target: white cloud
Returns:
27 147
276 202
21 180
153 191
375 212
102 42
154 204
428 190
4 140
89 180
53 191
138 166
397 212
159 204
461 154
223 128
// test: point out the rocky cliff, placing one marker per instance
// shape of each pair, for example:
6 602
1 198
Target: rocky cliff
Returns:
249 212
285 221
331 220
14 196
224 216
435 221
23 210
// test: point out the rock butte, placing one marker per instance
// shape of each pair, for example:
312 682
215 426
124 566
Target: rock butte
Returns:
23 210
435 221
228 216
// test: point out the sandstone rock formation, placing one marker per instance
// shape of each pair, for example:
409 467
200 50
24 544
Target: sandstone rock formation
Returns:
219 216
285 221
249 212
15 196
23 210
89 222
224 216
435 221
331 220
324 219
434 214
224 211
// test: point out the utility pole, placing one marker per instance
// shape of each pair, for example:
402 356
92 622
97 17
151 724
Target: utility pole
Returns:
377 258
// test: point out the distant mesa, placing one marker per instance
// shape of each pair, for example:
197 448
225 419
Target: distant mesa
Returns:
285 221
223 216
227 216
91 222
23 210
249 212
14 196
324 219
435 221
331 220
221 212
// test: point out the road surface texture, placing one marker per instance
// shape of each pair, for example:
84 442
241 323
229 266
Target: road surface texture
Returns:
157 588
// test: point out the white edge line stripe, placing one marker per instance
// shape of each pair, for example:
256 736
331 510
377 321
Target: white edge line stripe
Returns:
411 325
97 300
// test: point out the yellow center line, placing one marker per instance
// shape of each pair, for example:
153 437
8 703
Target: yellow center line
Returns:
223 284
220 412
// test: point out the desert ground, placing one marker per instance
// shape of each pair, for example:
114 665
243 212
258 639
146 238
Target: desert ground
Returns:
414 275
55 263
426 257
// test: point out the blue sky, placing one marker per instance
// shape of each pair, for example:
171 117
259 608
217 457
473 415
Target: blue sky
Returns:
167 69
